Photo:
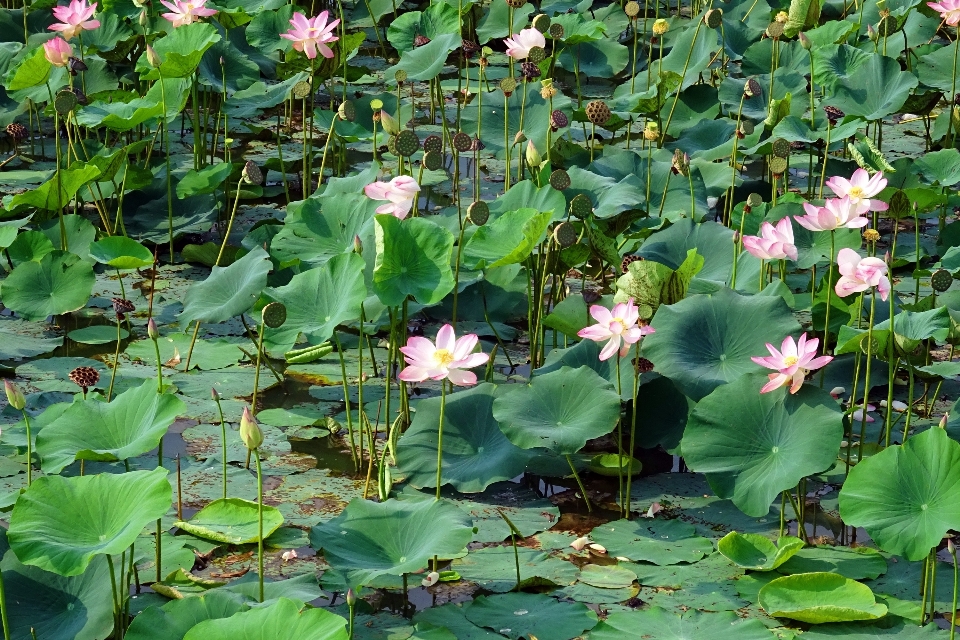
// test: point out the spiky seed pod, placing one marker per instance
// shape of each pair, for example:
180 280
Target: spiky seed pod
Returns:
775 30
627 261
274 315
940 280
713 18
778 166
560 179
302 90
529 70
754 200
558 120
478 212
580 206
632 9
541 22
536 55
407 143
347 111
16 131
508 86
556 31
462 142
65 102
122 306
433 142
752 89
469 47
598 112
565 234
433 160
420 40
251 173
84 377
780 148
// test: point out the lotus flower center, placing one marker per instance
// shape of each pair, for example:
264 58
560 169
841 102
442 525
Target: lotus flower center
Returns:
855 193
789 361
443 357
617 326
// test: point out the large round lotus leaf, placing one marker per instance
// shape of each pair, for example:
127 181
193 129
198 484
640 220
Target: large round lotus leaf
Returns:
495 569
705 341
121 252
281 620
371 539
60 524
855 563
907 496
756 552
586 353
173 620
657 624
607 576
516 615
233 521
98 334
128 426
317 301
218 353
58 283
475 451
57 607
658 541
452 616
559 411
228 291
820 597
711 240
507 240
754 445
413 259
24 339
877 89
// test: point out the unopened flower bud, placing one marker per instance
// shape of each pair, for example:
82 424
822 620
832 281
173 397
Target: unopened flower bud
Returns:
351 597
144 19
153 58
357 245
804 41
14 396
533 156
152 331
520 137
214 394
836 392
390 125
943 420
250 431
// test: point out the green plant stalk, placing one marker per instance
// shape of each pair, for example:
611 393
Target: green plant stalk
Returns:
283 170
826 321
506 140
633 433
226 237
953 91
891 374
953 609
933 582
166 139
352 615
326 145
346 402
443 404
583 489
728 205
116 363
866 383
223 445
924 584
910 389
256 372
159 555
256 453
624 507
683 75
4 618
113 587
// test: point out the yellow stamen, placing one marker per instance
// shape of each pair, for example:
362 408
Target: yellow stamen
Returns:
856 193
443 357
790 360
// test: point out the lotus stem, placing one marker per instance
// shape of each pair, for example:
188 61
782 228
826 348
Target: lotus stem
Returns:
326 145
256 453
624 507
826 322
346 401
953 609
683 76
226 235
166 139
583 489
116 363
256 372
443 404
866 383
953 92
633 432
4 619
223 442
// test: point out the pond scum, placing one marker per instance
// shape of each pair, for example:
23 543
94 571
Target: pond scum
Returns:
472 319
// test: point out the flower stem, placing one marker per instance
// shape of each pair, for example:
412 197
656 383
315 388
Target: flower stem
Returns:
826 322
256 453
223 445
633 432
583 489
443 403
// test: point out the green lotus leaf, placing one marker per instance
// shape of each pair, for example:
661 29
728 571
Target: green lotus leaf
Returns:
128 426
59 283
517 615
205 180
705 341
559 411
33 70
263 31
607 576
216 353
317 300
60 524
507 240
877 89
662 542
756 552
672 246
413 259
907 496
232 521
173 620
496 22
121 252
855 563
658 624
57 192
322 228
228 291
586 353
754 445
391 538
451 616
434 21
227 64
124 116
475 452
940 167
424 63
819 598
24 339
180 51
892 626
494 569
281 620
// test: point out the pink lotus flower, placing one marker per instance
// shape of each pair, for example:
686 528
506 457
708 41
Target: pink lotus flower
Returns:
310 34
793 362
400 193
74 18
836 213
860 189
518 47
57 52
949 11
445 360
774 242
616 326
186 12
859 274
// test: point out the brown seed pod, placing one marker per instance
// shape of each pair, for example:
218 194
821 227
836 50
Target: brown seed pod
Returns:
558 119
85 377
627 261
462 142
16 131
752 89
122 306
529 70
251 173
598 112
433 142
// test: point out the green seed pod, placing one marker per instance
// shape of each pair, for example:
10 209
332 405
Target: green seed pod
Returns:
560 179
65 102
556 31
780 148
407 143
400 76
274 315
462 142
536 55
433 160
565 234
392 145
376 104
940 280
347 111
478 212
508 86
251 173
301 90
433 143
775 30
713 18
754 200
778 166
541 23
580 206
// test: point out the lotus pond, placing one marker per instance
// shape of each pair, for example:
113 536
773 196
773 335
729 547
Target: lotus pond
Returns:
479 319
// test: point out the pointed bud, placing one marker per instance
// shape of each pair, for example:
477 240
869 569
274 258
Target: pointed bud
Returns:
144 19
152 330
351 597
804 41
153 58
14 395
214 394
533 156
250 431
390 125
943 420
357 245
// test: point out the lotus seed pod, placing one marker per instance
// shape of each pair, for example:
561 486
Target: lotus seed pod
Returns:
432 160
651 131
433 143
556 31
400 76
778 166
560 179
407 143
274 315
152 332
660 27
632 9
754 200
153 58
681 163
580 206
536 55
84 377
508 86
834 115
541 23
251 173
752 89
389 123
376 104
598 112
469 46
347 111
780 148
462 142
478 212
250 431
940 280
302 90
122 306
516 4
713 18
627 261
14 396
871 235
746 127
16 131
533 156
420 40
65 102
775 30
529 70
887 26
558 119
565 234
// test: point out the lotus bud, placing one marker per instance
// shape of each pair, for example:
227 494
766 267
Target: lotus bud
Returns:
250 431
533 156
952 548
152 331
520 137
153 58
214 394
357 245
804 41
886 257
144 19
943 420
871 32
14 396
351 597
432 578
389 123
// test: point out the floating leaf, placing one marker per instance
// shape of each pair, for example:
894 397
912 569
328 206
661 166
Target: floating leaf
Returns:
517 615
228 291
661 542
757 552
281 620
413 259
820 597
59 283
657 624
232 521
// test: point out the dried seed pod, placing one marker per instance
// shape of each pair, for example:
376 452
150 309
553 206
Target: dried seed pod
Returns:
433 143
598 112
251 173
642 365
627 261
302 90
462 142
780 148
940 280
558 119
407 143
16 131
478 212
529 70
274 314
516 4
433 160
420 40
681 163
752 89
560 179
469 47
580 206
834 115
122 306
565 234
84 377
